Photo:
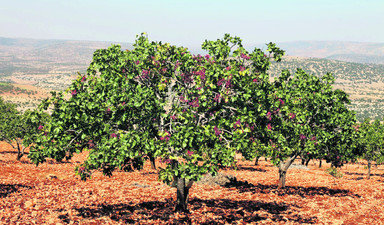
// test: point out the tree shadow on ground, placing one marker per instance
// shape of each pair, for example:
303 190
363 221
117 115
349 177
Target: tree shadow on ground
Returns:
269 165
9 152
51 162
148 173
26 161
233 212
364 174
289 190
250 168
357 178
7 189
225 211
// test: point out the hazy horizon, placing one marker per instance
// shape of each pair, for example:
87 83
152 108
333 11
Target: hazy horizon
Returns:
86 40
190 23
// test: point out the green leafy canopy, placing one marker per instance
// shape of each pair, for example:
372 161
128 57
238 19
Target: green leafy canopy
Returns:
159 100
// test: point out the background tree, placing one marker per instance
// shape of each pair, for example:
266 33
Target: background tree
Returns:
17 129
370 141
251 112
308 116
9 120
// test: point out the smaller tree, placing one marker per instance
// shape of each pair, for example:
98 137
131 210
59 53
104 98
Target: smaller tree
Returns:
370 141
18 129
308 118
9 119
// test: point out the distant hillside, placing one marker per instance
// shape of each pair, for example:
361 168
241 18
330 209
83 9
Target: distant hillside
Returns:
44 64
356 73
42 56
30 69
359 58
360 52
363 82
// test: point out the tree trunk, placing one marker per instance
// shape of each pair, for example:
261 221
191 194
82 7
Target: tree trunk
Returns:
20 152
282 176
369 169
182 195
19 155
320 163
283 167
306 163
302 161
257 161
266 159
153 163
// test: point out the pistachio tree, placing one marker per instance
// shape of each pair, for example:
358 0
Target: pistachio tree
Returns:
16 128
161 101
370 141
10 119
309 117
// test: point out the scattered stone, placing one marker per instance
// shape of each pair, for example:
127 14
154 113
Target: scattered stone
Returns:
220 179
140 185
51 176
299 166
29 204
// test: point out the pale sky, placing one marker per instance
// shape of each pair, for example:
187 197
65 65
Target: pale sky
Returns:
191 22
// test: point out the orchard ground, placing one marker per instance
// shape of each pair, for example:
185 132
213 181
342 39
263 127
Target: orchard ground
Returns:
53 194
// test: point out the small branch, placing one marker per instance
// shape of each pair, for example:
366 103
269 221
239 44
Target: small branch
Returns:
225 140
9 142
227 131
230 108
73 139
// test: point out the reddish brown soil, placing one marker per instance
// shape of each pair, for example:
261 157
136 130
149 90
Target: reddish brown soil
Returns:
32 195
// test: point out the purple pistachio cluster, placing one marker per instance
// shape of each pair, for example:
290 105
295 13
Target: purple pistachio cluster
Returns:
200 73
194 102
237 124
187 78
302 137
91 145
82 169
217 98
166 137
145 74
244 56
220 82
217 131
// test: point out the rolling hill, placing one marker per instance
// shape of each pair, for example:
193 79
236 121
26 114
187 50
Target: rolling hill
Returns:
360 52
363 82
41 66
32 68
